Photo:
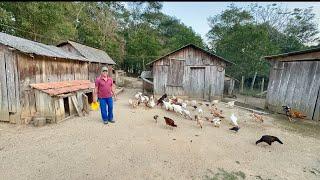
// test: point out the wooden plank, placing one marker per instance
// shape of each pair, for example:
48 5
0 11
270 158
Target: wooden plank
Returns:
197 80
75 103
4 109
10 75
85 102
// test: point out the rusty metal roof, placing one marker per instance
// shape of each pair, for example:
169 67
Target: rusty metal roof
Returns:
57 88
93 54
32 47
211 54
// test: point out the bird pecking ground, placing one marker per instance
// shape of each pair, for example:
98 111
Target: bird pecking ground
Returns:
136 147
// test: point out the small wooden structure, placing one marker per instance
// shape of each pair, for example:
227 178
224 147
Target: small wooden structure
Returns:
57 101
147 81
189 71
96 57
24 62
295 81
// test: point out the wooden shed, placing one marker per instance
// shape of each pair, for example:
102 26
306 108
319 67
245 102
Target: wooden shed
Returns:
189 71
24 62
295 81
57 101
96 57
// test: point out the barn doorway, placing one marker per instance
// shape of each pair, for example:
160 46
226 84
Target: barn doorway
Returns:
197 80
90 97
66 107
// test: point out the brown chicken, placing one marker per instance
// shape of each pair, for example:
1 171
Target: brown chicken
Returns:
199 121
293 114
257 117
215 112
169 122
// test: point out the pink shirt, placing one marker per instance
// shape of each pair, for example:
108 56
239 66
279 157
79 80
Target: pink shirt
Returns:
104 87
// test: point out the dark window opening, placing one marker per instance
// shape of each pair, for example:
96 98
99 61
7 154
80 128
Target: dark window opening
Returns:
66 107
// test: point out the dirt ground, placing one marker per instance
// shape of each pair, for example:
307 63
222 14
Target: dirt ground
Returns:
136 147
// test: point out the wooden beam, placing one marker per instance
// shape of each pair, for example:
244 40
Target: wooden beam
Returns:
75 103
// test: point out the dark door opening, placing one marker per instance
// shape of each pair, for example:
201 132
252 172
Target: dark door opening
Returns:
66 107
90 97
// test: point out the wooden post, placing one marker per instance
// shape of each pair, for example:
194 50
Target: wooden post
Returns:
143 64
262 86
242 82
254 79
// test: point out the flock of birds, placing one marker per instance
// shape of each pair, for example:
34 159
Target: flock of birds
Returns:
179 106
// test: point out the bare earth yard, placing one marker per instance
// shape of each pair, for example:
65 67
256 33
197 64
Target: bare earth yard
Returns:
136 147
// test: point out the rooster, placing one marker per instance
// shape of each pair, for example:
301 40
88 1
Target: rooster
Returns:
160 100
268 139
293 114
170 122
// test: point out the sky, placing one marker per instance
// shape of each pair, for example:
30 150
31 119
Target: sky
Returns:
195 14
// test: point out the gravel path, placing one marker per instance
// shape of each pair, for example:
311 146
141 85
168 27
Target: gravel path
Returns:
136 147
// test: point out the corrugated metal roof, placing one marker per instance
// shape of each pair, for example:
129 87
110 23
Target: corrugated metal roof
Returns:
293 53
32 47
57 88
211 54
93 54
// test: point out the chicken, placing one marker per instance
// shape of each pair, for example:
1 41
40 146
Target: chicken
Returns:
235 128
146 98
199 121
193 103
257 117
186 113
160 100
184 105
215 102
177 108
168 106
180 101
195 107
207 104
170 122
268 139
216 122
155 117
234 119
151 102
215 112
230 104
293 114
133 103
200 111
137 96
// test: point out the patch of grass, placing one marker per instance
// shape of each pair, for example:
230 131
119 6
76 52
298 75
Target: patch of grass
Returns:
224 175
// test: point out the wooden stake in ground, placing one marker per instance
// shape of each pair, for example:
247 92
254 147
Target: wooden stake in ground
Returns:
254 79
262 86
242 82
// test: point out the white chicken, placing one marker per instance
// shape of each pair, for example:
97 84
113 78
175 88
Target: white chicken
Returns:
137 96
187 113
177 108
193 102
200 112
215 101
168 106
230 104
184 105
234 120
146 98
216 122
151 102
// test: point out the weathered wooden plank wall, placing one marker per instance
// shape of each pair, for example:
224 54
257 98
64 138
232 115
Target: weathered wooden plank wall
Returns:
295 84
176 67
4 107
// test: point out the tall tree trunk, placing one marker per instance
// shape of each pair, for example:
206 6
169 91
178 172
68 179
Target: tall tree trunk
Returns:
242 82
